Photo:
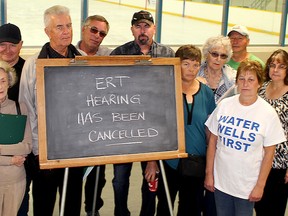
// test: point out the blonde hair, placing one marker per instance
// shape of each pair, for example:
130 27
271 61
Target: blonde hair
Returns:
12 76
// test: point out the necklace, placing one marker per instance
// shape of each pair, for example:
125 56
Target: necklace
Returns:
213 80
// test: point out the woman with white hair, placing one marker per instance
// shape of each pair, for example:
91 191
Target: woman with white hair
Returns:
214 71
12 155
218 76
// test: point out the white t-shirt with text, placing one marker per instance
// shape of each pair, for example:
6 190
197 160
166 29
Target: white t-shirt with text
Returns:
243 132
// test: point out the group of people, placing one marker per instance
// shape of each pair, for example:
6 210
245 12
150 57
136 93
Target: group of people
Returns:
230 138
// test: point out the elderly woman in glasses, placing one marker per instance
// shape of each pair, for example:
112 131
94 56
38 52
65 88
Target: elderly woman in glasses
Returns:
12 155
275 92
214 71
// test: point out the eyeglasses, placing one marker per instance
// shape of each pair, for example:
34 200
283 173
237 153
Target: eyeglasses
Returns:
279 66
94 30
216 55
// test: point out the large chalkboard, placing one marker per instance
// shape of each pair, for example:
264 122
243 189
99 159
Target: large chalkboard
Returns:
98 112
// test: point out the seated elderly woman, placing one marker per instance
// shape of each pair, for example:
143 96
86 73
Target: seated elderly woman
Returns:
214 71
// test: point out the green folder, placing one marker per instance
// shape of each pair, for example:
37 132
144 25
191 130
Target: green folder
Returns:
12 128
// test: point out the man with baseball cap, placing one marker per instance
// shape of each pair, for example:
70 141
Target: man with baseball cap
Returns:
10 46
239 37
143 30
142 16
95 28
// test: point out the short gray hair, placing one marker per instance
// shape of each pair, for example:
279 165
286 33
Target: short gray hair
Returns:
215 43
12 76
54 10
96 18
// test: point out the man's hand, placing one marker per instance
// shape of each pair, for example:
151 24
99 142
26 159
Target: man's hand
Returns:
151 170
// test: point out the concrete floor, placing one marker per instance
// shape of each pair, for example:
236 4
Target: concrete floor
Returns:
134 199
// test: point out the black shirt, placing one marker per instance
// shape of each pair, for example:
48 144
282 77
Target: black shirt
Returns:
13 92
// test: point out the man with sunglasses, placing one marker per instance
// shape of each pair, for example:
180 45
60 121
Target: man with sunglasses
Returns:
143 30
94 30
239 37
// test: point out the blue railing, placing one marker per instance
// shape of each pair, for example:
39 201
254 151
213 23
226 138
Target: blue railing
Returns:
225 16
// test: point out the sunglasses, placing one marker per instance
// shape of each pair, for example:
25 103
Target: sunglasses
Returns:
216 55
94 30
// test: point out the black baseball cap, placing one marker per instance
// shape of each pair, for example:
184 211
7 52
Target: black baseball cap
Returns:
142 16
10 33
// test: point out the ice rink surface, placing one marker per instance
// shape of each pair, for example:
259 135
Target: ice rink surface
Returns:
28 15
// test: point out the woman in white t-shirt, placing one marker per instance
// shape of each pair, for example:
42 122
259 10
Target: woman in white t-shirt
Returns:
244 131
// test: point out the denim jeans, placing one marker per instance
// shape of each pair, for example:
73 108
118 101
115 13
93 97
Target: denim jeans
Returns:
121 188
227 205
90 189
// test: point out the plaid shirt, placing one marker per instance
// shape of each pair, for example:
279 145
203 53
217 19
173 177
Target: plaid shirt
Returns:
132 48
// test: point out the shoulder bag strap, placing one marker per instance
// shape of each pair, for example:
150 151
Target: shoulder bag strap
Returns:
18 108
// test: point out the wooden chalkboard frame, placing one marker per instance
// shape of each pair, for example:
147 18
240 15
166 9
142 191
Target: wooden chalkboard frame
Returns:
46 163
